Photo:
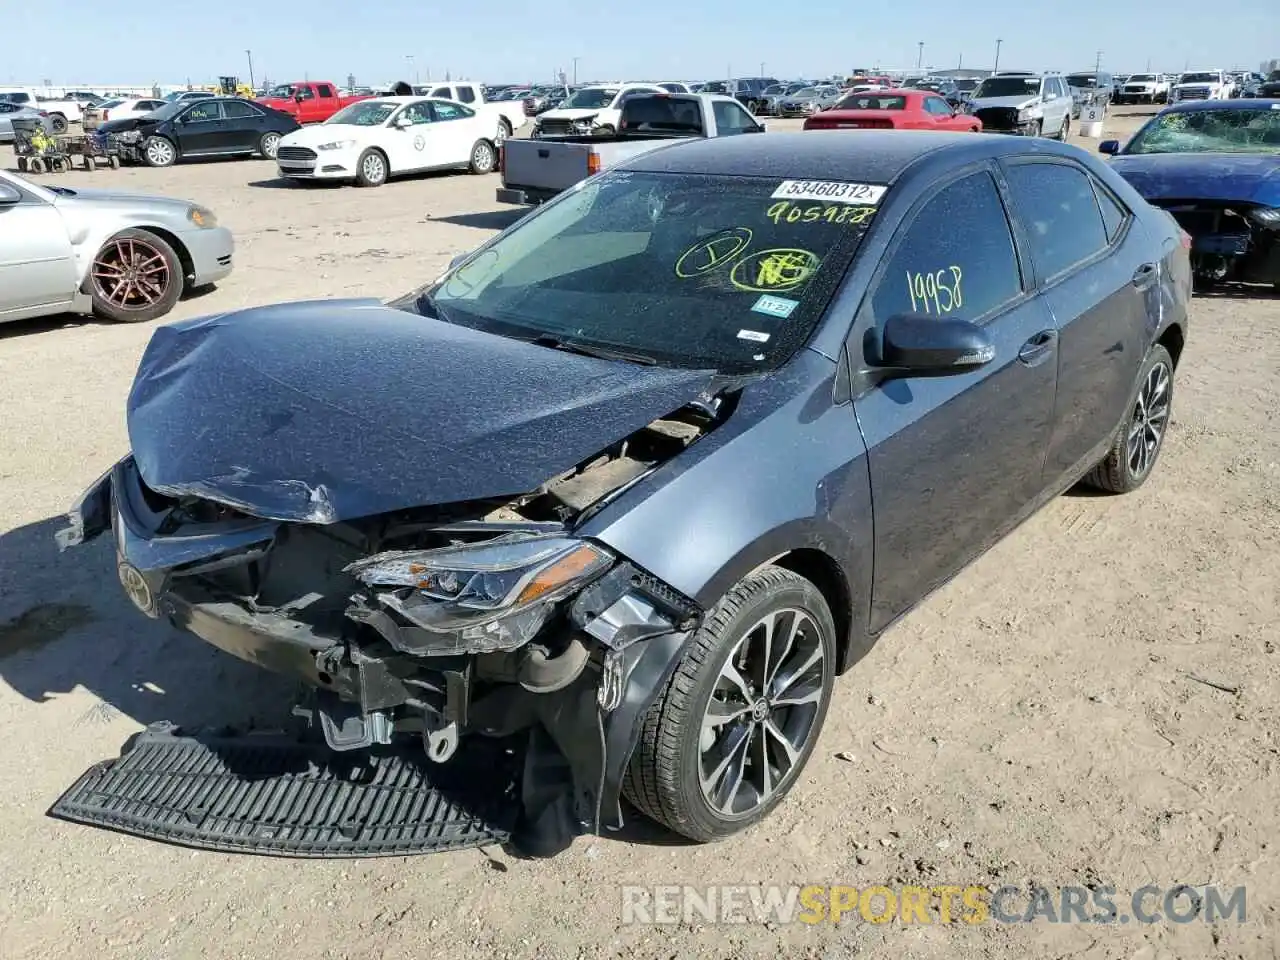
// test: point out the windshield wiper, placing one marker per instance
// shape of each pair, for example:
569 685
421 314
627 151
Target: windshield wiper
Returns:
590 350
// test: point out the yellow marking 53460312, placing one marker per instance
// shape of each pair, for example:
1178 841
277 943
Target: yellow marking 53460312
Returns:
937 292
713 251
784 211
772 271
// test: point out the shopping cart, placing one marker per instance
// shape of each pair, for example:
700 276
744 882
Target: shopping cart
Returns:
93 149
36 150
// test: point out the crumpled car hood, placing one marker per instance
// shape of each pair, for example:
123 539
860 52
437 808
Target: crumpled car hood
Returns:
1244 178
332 410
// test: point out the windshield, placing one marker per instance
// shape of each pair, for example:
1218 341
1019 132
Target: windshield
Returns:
366 113
1143 78
806 92
1273 75
108 104
966 84
593 98
168 110
1238 130
692 271
1007 87
775 89
1082 80
1199 78
715 86
868 101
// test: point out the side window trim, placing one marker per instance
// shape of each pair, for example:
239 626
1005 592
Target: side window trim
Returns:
1102 192
908 221
1045 282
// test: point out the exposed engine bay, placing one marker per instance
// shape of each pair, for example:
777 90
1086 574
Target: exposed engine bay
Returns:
1230 242
486 617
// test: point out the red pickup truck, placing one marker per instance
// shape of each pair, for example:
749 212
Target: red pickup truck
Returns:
307 102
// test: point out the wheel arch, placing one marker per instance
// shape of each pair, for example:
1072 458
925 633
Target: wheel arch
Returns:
85 263
1173 339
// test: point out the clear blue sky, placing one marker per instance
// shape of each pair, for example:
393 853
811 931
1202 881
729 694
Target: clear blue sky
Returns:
499 41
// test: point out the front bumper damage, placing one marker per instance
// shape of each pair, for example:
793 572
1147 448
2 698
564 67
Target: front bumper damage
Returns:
1230 242
281 595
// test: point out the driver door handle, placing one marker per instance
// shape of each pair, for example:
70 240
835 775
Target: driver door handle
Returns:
1039 348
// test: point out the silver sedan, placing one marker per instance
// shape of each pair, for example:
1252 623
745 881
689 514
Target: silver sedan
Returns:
10 112
125 257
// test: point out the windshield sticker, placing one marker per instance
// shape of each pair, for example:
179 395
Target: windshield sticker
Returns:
829 190
713 251
779 307
935 293
784 210
755 336
774 271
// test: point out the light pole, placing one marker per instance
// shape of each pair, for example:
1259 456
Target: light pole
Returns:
413 69
762 68
996 66
249 54
1097 63
575 71
919 55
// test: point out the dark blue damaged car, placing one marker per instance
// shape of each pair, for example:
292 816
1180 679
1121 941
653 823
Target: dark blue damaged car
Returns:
631 484
1215 166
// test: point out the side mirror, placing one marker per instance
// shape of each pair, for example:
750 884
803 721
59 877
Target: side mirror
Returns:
916 345
458 259
1110 147
8 194
402 122
297 96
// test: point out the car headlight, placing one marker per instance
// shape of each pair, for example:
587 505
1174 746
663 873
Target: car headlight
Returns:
130 136
489 596
1028 114
202 217
336 145
1265 216
585 123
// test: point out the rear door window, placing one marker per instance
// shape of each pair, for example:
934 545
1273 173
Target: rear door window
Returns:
1057 206
732 118
1114 213
955 259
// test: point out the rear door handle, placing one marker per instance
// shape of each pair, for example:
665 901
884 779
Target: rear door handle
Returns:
1145 275
1039 348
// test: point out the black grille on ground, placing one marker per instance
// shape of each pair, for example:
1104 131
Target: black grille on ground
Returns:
271 794
295 153
998 118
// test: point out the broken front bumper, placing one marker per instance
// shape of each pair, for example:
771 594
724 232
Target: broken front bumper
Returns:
580 721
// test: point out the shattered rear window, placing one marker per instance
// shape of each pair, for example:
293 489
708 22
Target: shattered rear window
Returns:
728 273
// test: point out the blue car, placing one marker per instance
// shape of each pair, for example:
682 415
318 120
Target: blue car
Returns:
1214 165
630 485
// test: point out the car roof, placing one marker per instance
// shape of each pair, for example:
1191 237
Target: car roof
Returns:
1248 103
870 156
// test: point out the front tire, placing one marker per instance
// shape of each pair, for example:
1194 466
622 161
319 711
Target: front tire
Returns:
727 738
159 152
1137 445
371 169
1065 130
135 276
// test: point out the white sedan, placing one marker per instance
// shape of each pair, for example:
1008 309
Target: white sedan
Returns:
371 140
119 109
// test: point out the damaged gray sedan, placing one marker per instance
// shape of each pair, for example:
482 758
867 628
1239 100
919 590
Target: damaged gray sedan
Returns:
605 488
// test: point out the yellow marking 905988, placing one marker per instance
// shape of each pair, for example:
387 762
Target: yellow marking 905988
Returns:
784 211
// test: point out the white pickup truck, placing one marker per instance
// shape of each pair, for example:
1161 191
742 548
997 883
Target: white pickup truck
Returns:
61 112
510 114
1202 85
534 171
1143 88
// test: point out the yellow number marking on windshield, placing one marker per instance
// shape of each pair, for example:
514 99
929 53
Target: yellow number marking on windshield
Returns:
713 251
788 212
771 271
932 294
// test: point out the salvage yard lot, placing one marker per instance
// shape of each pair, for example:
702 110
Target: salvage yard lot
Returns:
1044 718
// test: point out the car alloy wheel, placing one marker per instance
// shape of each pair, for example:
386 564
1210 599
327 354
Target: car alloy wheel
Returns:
1150 418
762 712
160 152
270 145
504 131
374 168
131 274
482 158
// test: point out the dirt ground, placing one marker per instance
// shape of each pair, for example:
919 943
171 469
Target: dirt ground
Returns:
1041 719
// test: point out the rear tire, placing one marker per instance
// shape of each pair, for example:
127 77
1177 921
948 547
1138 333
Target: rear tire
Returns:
268 145
371 169
1138 443
739 705
484 158
36 166
58 123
